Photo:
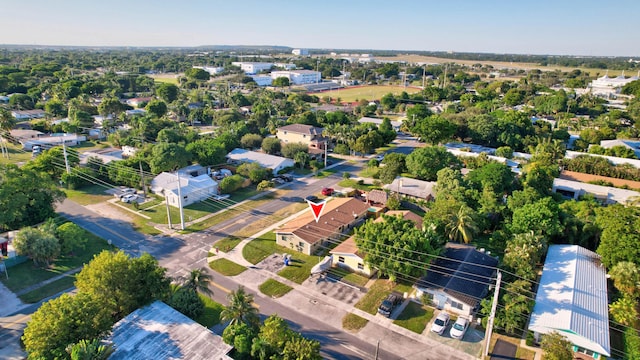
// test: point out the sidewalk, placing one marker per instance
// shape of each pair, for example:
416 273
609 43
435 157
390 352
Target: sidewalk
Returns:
307 300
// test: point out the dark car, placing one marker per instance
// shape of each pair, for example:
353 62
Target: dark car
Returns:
311 198
389 303
286 177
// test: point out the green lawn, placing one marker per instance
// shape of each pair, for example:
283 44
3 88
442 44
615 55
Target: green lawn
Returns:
350 277
371 301
226 267
369 172
262 247
27 274
353 322
48 290
211 314
274 288
16 154
227 244
351 183
88 195
414 317
266 221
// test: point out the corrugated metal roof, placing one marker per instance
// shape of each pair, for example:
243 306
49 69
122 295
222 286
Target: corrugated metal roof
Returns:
159 332
572 298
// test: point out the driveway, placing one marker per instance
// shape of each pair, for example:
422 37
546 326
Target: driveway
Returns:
335 289
504 350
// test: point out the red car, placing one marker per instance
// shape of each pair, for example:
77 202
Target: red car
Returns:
327 191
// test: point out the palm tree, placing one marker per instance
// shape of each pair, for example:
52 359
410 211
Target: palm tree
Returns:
90 350
7 121
462 225
198 280
240 309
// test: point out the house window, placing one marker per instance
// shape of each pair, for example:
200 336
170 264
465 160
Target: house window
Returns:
585 351
456 305
301 244
285 238
428 297
341 259
360 266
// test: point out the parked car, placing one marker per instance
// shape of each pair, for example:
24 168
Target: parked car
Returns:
380 157
459 328
327 191
311 198
286 177
129 198
388 304
440 323
220 197
124 192
278 180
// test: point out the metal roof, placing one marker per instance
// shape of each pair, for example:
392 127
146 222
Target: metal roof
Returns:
572 298
159 332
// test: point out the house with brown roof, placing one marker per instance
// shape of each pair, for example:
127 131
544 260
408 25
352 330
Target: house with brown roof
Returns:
377 197
307 236
300 133
347 256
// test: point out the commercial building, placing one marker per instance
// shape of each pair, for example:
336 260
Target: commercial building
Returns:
298 77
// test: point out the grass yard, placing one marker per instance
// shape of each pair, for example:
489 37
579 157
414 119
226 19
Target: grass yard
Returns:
227 244
211 314
414 317
521 353
349 277
48 290
27 274
266 221
353 322
274 288
88 195
351 183
165 78
371 301
369 92
227 267
16 154
262 247
369 172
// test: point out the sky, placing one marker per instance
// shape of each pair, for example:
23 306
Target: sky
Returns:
560 27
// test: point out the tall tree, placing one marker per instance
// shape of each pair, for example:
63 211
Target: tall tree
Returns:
620 237
388 244
63 321
626 278
427 161
7 122
434 129
240 308
121 283
198 280
556 347
462 225
38 245
167 92
168 157
90 350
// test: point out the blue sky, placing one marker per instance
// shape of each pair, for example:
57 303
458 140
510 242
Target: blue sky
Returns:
562 27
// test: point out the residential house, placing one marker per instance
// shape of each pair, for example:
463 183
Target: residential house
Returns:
307 236
158 331
572 300
300 133
413 188
23 115
605 194
135 102
629 144
275 163
369 120
347 256
612 159
20 135
105 155
458 280
377 197
194 186
51 140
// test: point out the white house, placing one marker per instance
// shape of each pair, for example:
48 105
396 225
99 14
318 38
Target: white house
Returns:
22 115
192 188
612 159
572 300
276 163
251 68
52 140
413 188
369 120
298 77
212 70
606 194
457 281
300 52
629 144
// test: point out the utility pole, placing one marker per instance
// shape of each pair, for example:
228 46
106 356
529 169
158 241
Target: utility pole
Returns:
66 161
487 335
424 75
180 202
142 185
377 349
325 153
166 201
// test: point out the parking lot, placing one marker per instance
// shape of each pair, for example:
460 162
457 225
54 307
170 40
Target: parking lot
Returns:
335 289
471 343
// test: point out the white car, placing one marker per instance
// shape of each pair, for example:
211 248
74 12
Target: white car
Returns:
459 328
440 323
129 198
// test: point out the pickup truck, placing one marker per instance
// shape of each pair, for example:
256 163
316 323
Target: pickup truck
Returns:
389 303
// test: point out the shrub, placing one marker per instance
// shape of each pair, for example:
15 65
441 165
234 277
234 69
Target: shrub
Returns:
231 183
341 149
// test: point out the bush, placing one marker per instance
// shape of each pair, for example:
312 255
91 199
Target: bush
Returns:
264 185
187 302
346 175
530 341
632 343
341 149
231 183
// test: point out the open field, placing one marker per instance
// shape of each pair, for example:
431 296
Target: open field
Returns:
499 64
370 93
166 78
